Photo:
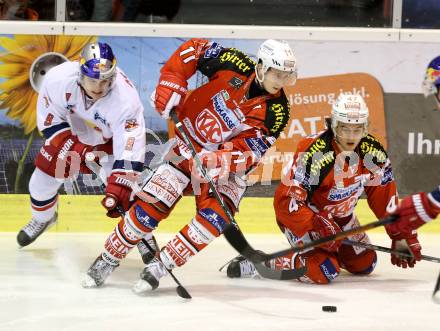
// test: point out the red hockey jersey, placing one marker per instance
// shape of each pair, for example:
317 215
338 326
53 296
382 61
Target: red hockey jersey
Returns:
321 177
222 110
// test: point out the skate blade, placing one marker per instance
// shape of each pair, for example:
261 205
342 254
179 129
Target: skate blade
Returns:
88 282
141 286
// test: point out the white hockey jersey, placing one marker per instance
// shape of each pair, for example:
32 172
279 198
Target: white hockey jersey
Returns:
62 105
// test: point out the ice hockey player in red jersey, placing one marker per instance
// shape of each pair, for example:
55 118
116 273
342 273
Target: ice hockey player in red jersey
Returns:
318 195
232 120
85 106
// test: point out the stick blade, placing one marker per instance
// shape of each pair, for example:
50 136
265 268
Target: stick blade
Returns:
280 274
182 292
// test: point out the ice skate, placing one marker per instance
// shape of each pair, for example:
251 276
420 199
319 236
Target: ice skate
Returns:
150 276
98 273
240 267
33 230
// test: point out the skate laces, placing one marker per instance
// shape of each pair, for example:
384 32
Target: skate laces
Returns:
101 269
247 268
156 268
34 227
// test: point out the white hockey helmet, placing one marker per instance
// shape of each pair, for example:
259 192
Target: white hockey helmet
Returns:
276 54
350 109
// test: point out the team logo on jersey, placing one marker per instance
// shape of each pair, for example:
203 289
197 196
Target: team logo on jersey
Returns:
337 194
131 124
98 117
227 115
48 120
213 51
209 127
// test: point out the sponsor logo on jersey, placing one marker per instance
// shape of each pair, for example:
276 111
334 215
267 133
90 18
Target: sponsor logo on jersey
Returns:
280 115
209 127
227 115
337 194
257 145
319 160
131 124
242 62
328 269
98 117
213 51
235 82
387 176
368 147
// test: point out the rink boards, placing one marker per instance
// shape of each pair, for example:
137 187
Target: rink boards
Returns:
84 213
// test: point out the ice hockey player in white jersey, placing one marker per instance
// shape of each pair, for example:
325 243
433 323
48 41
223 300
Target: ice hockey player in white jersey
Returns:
85 106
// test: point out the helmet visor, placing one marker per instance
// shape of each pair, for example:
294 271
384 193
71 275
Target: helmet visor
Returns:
350 131
281 78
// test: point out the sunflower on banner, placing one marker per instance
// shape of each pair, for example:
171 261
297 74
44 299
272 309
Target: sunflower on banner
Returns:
24 60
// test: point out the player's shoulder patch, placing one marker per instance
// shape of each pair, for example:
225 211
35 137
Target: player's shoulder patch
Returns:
277 115
372 146
213 51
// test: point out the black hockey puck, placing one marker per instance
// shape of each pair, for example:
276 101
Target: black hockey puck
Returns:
330 309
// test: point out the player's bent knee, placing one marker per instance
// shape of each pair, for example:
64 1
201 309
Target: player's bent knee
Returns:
361 263
322 267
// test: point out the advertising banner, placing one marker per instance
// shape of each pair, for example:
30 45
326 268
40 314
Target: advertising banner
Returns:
387 75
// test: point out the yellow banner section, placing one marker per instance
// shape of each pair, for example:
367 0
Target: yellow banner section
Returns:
84 213
311 100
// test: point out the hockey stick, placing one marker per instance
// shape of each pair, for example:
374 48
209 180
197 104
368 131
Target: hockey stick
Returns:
90 162
232 231
389 250
259 256
436 293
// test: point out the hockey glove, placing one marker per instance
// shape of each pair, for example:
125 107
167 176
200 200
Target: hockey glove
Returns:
324 226
169 93
117 192
408 245
63 158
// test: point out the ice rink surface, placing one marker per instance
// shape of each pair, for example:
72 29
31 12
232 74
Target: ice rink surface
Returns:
39 290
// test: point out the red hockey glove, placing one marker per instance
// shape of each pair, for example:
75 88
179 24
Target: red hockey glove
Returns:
408 245
98 152
57 160
169 93
414 211
118 192
324 226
